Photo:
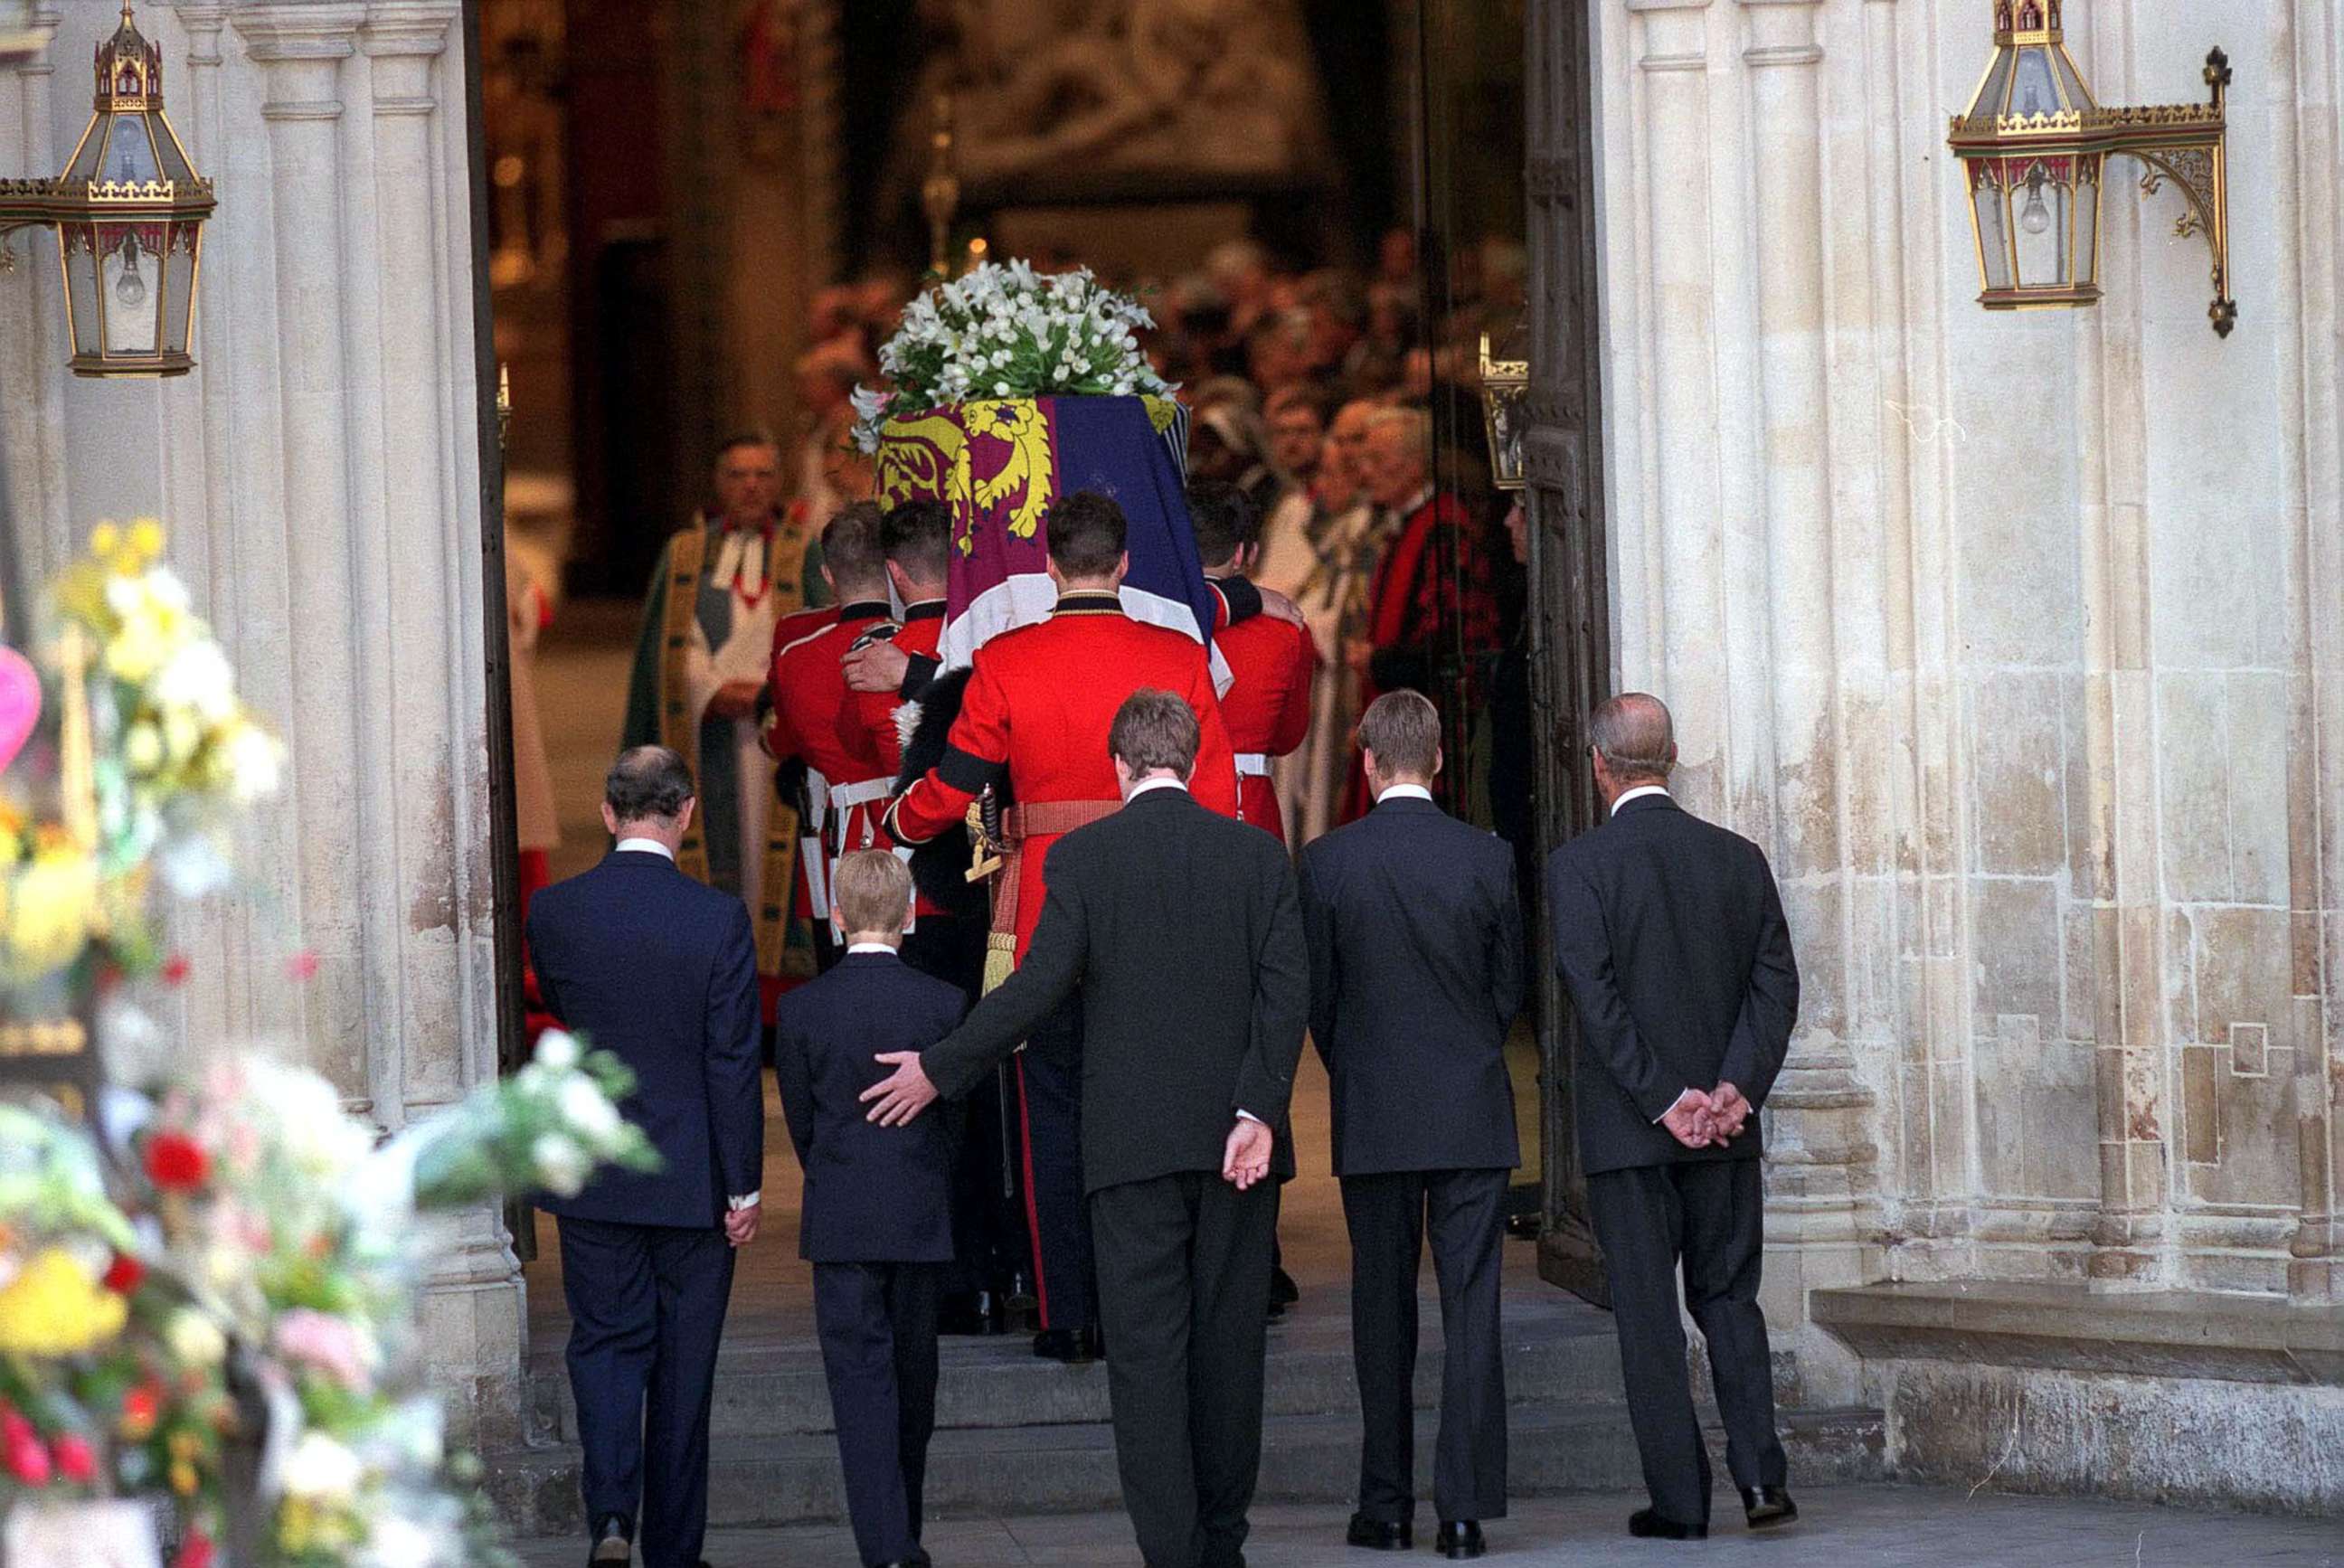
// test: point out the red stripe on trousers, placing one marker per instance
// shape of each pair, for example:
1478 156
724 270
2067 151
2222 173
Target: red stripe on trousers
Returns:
1032 1212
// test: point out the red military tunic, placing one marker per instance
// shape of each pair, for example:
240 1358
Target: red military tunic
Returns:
811 708
1266 708
1039 704
922 635
779 743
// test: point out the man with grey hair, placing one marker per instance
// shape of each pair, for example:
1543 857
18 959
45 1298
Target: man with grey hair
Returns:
1669 934
661 972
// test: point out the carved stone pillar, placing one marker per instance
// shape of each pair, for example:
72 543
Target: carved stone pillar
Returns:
1822 1155
32 313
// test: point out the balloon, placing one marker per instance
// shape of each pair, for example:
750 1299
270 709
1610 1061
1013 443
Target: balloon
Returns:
20 703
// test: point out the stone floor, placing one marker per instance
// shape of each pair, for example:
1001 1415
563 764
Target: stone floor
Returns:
1872 1526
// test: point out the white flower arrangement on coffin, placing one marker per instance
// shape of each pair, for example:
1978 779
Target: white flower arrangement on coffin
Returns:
1008 331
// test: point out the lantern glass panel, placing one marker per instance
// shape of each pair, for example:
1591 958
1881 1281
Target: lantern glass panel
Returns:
129 152
2043 218
77 241
131 282
179 285
2034 90
1991 210
2087 221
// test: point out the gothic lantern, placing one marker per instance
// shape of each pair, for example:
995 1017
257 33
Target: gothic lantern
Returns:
2034 149
129 211
1505 414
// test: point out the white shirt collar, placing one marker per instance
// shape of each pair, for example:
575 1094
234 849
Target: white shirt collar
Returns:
886 948
1143 785
1638 794
644 846
1405 792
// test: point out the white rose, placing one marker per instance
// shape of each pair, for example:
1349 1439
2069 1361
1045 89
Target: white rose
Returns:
194 1339
588 1110
255 764
562 1166
558 1049
200 678
322 1469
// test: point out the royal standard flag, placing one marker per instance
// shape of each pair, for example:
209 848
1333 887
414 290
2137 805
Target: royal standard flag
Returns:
999 464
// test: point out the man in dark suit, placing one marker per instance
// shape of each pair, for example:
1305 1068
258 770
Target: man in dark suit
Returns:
660 970
1669 934
878 1224
1180 928
1416 974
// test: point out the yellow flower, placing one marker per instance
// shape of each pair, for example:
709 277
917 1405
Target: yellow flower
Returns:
183 1477
105 539
47 907
54 1309
147 538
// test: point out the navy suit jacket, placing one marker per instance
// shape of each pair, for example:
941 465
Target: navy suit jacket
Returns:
1669 934
1416 974
872 1194
642 961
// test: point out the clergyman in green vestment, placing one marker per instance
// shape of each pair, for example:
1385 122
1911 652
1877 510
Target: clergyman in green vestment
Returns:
722 585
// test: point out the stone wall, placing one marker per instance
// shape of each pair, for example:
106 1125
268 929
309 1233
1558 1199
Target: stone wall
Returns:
320 471
2014 639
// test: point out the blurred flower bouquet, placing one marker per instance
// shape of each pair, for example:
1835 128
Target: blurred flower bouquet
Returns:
155 758
1006 331
206 1317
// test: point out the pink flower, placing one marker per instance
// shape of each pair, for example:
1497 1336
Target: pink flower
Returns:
76 1461
324 1344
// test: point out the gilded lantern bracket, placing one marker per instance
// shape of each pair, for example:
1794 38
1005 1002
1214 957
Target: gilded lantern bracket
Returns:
2201 169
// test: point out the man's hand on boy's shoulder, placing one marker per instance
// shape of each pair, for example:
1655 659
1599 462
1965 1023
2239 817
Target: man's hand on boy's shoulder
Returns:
904 1095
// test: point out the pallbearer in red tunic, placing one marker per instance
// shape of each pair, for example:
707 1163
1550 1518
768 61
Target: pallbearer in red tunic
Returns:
812 704
1035 721
1272 663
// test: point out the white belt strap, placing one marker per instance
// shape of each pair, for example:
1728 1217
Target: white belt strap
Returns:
1253 764
845 797
817 798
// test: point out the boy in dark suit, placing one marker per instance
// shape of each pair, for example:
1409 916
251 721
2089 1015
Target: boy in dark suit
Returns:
877 1223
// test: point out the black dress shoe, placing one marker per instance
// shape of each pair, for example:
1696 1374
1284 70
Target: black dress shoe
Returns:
1380 1535
1459 1538
1283 1290
1647 1524
1075 1346
611 1547
1765 1506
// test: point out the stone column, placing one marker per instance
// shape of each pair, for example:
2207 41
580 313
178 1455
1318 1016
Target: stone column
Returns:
363 105
2311 164
1822 1155
2120 702
32 314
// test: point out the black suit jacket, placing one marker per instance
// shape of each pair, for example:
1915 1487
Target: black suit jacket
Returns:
1669 934
1416 974
872 1194
662 971
1180 928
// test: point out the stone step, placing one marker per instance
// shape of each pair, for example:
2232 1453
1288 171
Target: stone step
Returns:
779 1391
793 1478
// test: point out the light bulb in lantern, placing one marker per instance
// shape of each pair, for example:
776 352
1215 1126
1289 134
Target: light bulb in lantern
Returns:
130 288
2035 216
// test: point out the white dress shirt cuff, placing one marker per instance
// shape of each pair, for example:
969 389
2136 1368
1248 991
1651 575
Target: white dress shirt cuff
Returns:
1248 1116
734 1205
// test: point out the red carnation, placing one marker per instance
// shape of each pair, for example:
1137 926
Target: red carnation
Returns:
194 1551
175 1162
21 1451
175 969
302 966
125 1274
76 1461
